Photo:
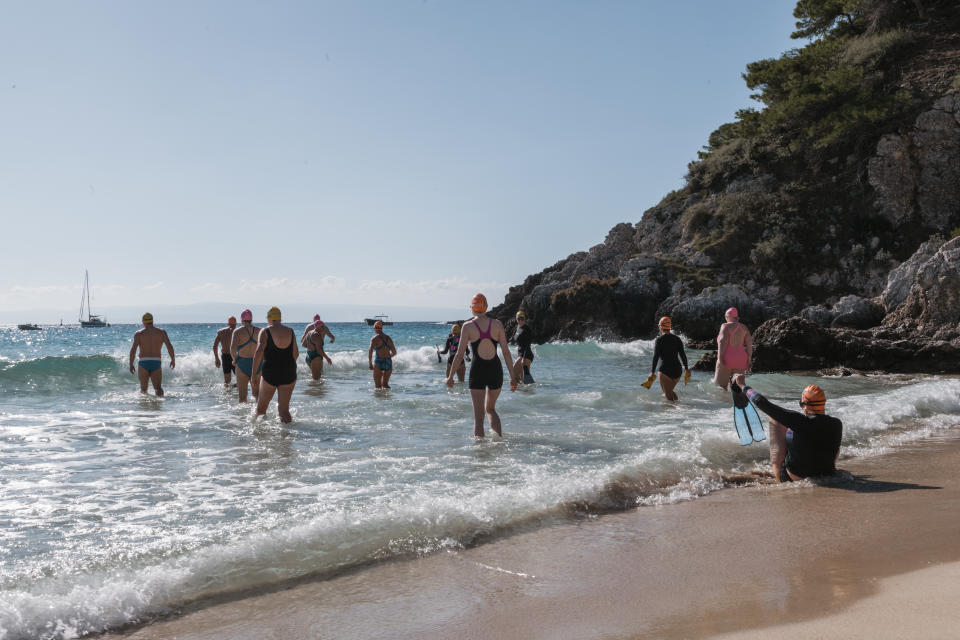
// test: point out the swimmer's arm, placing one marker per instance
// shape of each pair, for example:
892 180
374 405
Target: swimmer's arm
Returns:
258 356
722 341
173 358
748 343
303 340
370 353
233 346
326 330
216 354
133 350
296 351
506 352
393 349
683 357
656 358
790 419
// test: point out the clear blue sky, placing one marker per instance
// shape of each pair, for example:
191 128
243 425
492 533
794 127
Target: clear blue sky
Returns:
375 153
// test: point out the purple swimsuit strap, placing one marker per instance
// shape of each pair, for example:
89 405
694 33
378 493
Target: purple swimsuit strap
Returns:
485 334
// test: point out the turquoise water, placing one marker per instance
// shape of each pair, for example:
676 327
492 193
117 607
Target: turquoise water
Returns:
117 507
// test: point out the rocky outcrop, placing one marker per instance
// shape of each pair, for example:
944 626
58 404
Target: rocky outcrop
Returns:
920 334
700 251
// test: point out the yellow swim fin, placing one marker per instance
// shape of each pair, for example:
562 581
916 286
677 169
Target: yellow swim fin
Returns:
649 382
686 376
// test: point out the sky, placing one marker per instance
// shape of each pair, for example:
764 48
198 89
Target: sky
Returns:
375 154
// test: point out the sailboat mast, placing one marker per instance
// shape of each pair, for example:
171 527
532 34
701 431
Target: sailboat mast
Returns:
83 295
87 281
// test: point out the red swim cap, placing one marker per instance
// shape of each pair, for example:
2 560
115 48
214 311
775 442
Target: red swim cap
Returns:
479 303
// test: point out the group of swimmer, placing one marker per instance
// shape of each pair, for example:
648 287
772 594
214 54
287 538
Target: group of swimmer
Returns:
266 359
803 444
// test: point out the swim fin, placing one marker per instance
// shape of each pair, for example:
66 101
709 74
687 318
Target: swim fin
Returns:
740 419
527 378
754 423
649 382
439 359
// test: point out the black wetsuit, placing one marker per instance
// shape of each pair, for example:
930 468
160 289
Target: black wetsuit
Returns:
453 343
669 348
816 438
524 339
279 367
485 374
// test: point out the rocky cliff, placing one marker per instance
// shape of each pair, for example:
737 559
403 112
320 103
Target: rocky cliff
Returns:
849 238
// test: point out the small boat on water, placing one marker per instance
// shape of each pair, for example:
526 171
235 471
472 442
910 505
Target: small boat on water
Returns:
29 327
92 321
382 318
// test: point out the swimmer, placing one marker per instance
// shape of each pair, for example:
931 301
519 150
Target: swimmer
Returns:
149 340
277 352
243 346
524 339
486 372
312 341
224 336
453 342
816 436
734 349
669 348
382 365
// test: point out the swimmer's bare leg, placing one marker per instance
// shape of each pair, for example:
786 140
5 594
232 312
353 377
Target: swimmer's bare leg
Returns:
316 368
156 377
284 392
778 446
255 384
667 384
377 377
477 397
491 409
266 395
386 379
461 372
242 381
144 377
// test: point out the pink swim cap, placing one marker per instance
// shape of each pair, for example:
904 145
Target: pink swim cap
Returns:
731 313
246 316
316 317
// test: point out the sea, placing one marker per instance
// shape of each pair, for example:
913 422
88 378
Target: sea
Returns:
117 508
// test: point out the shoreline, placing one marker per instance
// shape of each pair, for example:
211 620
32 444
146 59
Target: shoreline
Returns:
736 561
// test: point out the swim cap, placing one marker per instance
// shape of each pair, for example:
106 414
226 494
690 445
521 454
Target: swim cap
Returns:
273 314
814 397
378 326
147 318
479 303
665 323
317 324
231 321
731 313
456 329
521 315
316 317
246 316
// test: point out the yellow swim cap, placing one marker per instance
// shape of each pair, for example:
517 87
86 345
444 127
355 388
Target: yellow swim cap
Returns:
273 314
521 315
147 318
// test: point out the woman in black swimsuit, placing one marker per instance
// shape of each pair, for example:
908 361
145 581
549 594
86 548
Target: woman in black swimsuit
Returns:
486 372
668 348
277 350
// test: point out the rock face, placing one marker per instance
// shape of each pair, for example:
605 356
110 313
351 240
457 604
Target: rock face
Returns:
920 334
700 251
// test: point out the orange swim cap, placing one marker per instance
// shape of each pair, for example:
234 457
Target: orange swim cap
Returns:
479 303
814 397
665 323
378 326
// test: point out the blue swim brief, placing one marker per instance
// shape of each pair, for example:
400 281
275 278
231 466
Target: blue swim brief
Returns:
149 364
311 355
246 366
384 364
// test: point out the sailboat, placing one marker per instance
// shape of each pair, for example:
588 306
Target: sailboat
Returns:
92 321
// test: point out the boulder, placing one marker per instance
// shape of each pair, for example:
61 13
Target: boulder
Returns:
933 305
857 313
902 278
818 315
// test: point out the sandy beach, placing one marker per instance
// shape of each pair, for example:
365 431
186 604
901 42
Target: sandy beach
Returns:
878 557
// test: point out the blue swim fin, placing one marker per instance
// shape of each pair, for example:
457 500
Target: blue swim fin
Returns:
740 420
527 378
754 423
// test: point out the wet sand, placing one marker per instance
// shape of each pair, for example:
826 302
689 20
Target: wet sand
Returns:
878 557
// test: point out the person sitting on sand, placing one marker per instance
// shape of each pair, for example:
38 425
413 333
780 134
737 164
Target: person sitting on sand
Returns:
243 346
734 349
483 334
149 340
816 439
224 337
669 348
382 365
312 341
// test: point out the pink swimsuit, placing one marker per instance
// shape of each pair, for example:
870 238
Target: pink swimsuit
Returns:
735 357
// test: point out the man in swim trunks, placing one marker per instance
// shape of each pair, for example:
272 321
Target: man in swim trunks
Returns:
149 341
523 337
224 337
668 347
816 436
734 349
243 346
382 365
312 341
